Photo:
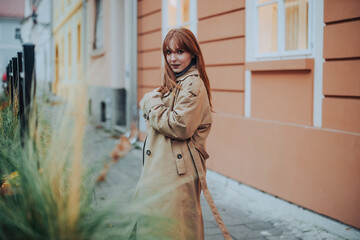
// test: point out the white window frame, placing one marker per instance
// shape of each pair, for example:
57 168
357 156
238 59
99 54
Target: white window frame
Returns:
98 41
252 25
316 28
193 17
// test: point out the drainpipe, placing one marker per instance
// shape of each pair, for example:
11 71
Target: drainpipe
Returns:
84 40
52 48
132 124
134 69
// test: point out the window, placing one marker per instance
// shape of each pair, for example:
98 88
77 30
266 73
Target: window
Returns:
62 65
98 34
56 66
69 54
78 43
279 28
179 13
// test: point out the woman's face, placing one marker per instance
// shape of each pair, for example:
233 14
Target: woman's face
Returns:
178 59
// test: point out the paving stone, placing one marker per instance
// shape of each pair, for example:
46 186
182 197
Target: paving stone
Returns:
214 237
272 232
257 238
259 225
283 237
212 231
210 224
242 232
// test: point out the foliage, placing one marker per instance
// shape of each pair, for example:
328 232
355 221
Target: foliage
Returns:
50 195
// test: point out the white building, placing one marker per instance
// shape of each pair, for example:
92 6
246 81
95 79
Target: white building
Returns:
11 13
36 29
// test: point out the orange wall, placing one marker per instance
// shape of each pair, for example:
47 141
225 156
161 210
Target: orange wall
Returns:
341 105
149 45
282 96
224 52
314 168
276 150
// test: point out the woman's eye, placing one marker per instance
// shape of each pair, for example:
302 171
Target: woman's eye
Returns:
168 52
180 51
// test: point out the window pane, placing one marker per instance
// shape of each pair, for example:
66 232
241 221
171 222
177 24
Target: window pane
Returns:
98 41
268 30
296 24
69 48
185 12
265 1
171 13
78 43
187 26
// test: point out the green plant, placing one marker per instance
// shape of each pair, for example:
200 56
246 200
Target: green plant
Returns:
53 197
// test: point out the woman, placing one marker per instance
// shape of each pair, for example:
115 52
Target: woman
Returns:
179 119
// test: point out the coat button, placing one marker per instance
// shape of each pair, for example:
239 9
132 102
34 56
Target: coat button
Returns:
148 152
179 156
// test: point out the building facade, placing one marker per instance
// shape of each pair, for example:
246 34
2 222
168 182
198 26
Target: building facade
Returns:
11 14
111 51
36 28
69 46
285 87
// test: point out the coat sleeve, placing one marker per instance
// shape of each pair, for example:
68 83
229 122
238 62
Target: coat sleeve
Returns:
186 116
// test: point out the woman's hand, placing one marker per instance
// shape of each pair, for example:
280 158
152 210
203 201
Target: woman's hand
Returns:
145 103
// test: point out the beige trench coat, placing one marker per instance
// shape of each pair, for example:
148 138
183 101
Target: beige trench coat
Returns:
169 186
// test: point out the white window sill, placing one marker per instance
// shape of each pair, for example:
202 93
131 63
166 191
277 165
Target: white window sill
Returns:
305 64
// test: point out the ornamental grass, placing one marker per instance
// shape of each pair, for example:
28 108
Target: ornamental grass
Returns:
46 192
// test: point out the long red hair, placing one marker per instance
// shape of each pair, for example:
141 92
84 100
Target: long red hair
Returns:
185 40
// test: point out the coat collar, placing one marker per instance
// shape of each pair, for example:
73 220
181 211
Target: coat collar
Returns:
192 71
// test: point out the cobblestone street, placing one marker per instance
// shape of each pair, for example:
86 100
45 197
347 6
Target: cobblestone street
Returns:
248 213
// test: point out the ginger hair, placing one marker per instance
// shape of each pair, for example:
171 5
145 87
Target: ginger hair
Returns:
184 39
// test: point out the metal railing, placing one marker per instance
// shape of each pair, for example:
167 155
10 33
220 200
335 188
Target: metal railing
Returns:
20 85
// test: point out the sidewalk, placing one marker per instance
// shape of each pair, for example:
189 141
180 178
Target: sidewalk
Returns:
248 213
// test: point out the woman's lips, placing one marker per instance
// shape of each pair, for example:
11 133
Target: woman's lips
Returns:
175 65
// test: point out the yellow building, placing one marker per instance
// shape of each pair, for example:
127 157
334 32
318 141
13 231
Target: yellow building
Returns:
68 30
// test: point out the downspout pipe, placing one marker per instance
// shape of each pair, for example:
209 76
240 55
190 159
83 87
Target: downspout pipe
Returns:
84 40
132 121
134 85
52 48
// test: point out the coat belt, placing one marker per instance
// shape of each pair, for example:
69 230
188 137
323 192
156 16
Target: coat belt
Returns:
200 149
201 173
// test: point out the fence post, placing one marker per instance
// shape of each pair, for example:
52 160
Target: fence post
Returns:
7 80
15 88
29 82
21 98
11 84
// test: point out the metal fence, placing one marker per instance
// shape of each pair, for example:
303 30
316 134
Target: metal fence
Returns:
20 85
